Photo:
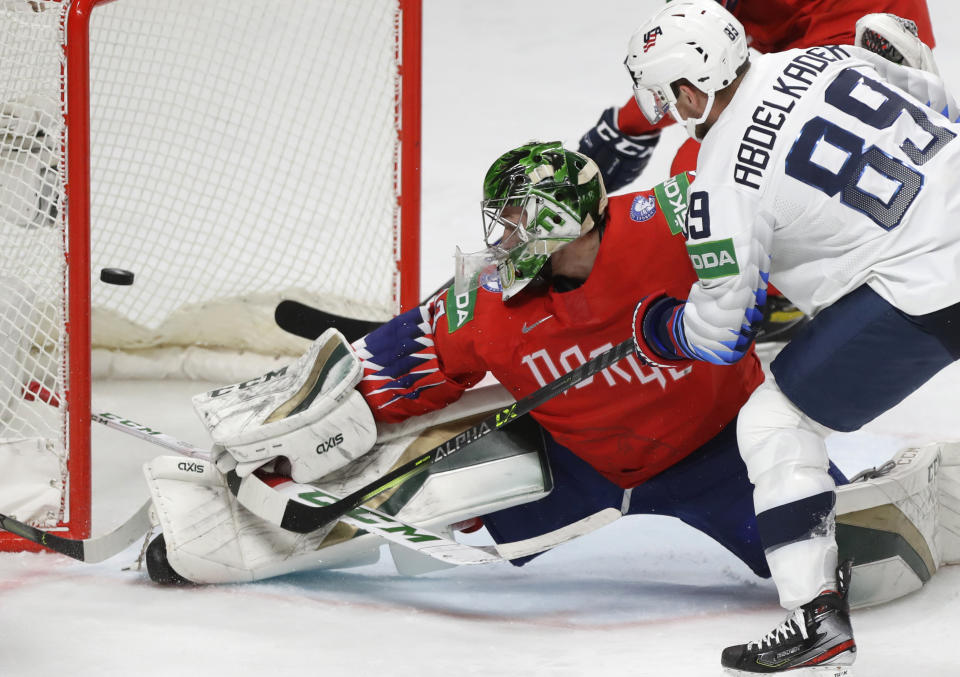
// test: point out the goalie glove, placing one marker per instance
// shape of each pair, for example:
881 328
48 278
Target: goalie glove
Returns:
307 413
654 320
620 157
894 39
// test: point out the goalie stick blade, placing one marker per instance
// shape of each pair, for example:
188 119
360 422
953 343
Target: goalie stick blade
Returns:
94 549
295 516
389 528
309 322
269 504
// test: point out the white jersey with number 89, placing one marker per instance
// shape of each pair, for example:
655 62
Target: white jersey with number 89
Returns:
830 168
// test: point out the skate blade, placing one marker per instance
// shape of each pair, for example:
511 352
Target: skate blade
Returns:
818 671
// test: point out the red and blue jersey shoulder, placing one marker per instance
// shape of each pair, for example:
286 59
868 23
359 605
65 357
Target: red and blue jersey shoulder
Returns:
425 358
402 375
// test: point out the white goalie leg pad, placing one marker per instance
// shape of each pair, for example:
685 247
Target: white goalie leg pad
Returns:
887 522
210 538
948 494
307 412
503 469
496 476
786 460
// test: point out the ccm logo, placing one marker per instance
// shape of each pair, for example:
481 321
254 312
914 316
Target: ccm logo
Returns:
190 467
334 441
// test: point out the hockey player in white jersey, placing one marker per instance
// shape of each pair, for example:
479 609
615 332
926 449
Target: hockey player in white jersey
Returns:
831 173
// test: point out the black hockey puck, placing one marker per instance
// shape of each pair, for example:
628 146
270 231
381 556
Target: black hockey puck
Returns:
116 276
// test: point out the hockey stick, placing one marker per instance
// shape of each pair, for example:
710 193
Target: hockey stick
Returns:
99 548
295 516
260 498
94 549
308 322
405 534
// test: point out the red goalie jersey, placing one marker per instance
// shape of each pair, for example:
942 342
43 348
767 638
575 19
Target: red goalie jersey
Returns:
630 421
779 25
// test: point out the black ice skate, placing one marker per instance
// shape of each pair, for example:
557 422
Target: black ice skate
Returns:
815 639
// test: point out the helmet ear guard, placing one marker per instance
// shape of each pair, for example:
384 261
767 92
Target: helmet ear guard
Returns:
536 199
698 41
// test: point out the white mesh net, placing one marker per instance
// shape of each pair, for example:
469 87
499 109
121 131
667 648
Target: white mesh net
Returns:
242 151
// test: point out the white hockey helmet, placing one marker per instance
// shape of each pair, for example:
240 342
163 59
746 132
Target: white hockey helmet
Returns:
697 40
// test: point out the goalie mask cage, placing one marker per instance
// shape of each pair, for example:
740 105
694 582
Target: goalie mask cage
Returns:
230 153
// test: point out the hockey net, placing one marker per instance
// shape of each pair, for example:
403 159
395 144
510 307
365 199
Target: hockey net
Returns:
229 153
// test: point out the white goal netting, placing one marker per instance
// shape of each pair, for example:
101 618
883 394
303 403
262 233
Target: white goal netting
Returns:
241 152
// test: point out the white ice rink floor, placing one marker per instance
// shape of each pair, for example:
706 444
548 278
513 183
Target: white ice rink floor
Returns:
646 596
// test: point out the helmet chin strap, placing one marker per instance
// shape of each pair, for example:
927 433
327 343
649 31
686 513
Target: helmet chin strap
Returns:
691 124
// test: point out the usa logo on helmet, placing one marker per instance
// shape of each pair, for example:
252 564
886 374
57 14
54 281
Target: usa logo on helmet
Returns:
650 38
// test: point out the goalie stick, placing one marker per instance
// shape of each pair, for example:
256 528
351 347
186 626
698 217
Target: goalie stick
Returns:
296 516
437 547
91 550
258 496
308 322
100 548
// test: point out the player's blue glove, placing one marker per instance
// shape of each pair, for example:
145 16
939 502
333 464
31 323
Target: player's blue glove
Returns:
620 158
656 319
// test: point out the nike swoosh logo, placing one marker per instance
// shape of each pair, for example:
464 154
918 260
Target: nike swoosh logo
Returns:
533 326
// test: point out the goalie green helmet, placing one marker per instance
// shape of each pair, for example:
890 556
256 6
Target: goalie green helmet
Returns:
536 199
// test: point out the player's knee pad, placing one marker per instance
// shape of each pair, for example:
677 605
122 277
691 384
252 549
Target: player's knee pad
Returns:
505 467
782 448
793 493
895 524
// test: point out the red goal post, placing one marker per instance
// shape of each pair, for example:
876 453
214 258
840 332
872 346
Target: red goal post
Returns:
230 153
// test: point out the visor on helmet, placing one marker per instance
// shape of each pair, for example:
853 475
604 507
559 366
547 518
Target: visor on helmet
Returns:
653 103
